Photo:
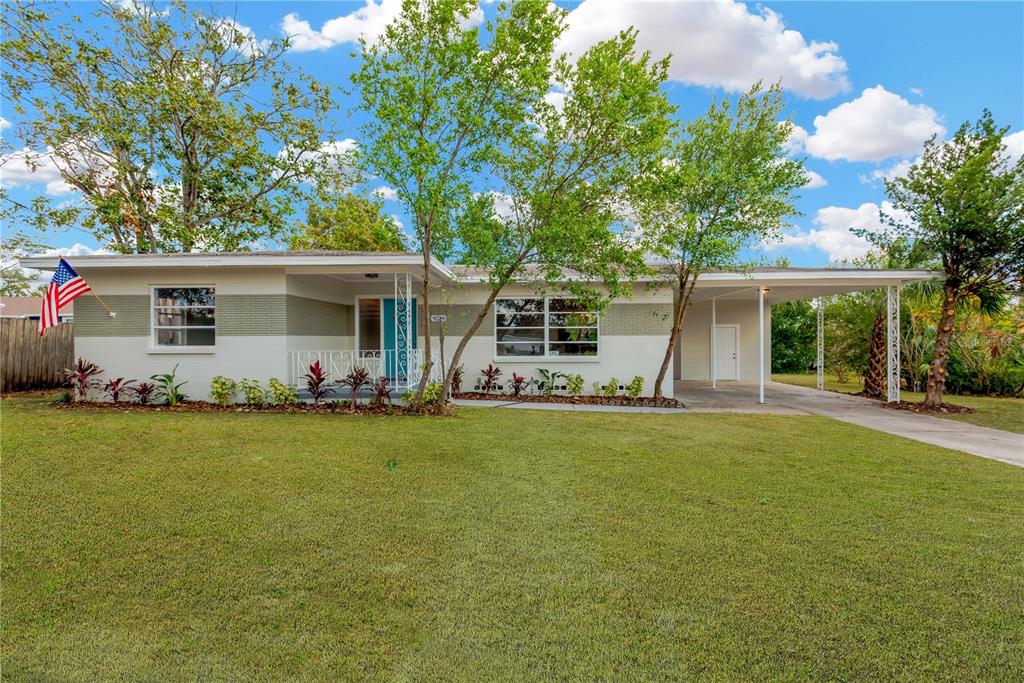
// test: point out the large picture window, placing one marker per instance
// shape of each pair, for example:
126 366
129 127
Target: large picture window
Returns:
552 327
184 316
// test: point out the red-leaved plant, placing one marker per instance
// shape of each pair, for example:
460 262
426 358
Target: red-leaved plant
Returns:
457 379
356 380
82 376
491 375
115 387
518 384
381 391
143 392
316 383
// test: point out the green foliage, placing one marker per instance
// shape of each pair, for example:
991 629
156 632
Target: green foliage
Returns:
611 389
252 392
223 390
574 384
177 126
168 388
596 387
548 379
794 336
635 388
281 394
431 394
339 220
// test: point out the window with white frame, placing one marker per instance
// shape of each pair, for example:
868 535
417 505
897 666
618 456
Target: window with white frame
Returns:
184 316
549 327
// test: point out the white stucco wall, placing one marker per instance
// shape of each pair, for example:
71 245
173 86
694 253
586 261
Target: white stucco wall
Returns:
693 353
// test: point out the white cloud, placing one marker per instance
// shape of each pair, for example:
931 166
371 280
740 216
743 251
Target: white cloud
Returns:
1014 145
917 91
242 37
386 193
814 180
897 170
4 123
796 141
77 249
338 155
875 126
29 167
368 22
714 44
832 234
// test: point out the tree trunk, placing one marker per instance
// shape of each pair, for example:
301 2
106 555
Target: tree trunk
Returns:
679 312
428 362
875 373
457 356
940 357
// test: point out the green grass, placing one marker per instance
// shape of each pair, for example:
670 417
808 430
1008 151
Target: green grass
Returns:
504 544
998 413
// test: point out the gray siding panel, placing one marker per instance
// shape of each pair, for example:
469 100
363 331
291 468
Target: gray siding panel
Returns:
312 317
637 319
251 315
131 319
460 317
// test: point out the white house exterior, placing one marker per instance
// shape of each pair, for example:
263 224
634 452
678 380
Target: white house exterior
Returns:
269 314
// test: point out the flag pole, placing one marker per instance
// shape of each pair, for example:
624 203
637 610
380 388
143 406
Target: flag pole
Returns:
103 304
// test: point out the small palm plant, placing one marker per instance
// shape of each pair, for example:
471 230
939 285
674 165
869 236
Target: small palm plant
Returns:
548 379
115 387
169 388
381 392
82 376
491 375
356 380
316 383
457 379
143 392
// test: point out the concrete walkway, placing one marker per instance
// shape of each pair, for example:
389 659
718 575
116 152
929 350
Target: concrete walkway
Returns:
786 399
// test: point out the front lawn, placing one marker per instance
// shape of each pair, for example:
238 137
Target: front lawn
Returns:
508 544
998 413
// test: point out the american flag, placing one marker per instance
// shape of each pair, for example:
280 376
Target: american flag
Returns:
65 287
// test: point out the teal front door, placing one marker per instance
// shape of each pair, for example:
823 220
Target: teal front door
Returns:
395 356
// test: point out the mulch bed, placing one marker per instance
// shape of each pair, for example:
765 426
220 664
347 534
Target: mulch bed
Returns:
206 407
642 402
944 409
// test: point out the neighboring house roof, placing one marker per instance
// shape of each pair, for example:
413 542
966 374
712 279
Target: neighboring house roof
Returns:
25 306
789 283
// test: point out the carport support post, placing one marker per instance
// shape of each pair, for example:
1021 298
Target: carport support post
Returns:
892 338
760 347
714 344
819 363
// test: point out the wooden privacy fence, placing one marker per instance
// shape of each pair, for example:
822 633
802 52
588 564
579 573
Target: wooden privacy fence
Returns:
28 361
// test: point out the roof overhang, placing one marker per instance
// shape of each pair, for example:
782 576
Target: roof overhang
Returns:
795 284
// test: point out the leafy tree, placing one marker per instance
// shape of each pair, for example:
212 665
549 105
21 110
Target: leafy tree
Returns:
794 336
440 97
347 222
14 281
964 200
180 130
563 176
726 184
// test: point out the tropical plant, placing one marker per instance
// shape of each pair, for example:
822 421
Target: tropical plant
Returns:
457 379
223 390
316 383
726 184
596 386
793 336
962 199
355 380
281 394
143 392
82 377
612 388
548 379
115 387
381 391
432 394
574 384
252 392
168 388
635 387
518 384
490 374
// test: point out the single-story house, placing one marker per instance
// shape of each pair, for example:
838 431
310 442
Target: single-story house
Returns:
30 308
270 314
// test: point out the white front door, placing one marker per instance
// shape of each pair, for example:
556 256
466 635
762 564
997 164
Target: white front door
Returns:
727 351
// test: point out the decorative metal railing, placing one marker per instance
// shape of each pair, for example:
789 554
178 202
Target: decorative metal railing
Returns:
403 369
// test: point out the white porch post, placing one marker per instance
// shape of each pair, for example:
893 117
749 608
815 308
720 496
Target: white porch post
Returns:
892 338
760 346
819 362
714 343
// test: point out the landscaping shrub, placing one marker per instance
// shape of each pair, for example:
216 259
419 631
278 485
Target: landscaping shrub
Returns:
381 391
170 390
281 394
548 379
596 386
635 387
316 383
574 384
356 380
82 377
457 378
611 390
518 384
252 392
223 390
490 374
115 387
144 392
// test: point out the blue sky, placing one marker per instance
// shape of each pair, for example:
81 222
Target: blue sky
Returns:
867 82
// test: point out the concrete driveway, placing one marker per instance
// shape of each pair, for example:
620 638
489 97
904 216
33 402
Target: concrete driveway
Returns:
786 399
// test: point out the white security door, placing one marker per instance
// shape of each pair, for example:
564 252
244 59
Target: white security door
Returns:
727 351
